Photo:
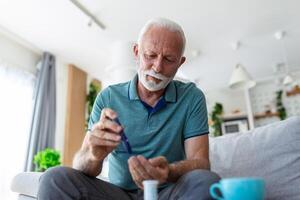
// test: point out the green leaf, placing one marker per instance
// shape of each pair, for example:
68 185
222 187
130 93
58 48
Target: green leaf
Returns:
279 105
90 98
216 118
46 159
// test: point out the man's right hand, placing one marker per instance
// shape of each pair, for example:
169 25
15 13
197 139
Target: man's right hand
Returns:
104 136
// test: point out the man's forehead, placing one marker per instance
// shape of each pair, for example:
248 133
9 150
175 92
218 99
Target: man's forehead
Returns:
161 38
155 47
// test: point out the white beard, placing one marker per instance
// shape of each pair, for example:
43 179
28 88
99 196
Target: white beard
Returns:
152 85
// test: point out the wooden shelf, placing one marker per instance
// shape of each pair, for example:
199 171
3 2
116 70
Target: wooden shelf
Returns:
265 115
294 91
234 116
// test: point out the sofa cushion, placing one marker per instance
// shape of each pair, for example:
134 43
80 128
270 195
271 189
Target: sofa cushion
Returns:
271 152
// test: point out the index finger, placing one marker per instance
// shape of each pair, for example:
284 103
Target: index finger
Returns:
148 167
108 113
138 167
158 161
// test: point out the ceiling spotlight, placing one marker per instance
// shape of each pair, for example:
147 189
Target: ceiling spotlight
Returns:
279 35
88 14
236 45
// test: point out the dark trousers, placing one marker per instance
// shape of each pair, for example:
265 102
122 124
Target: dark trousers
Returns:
63 183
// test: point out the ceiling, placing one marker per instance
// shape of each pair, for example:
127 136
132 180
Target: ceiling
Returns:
210 27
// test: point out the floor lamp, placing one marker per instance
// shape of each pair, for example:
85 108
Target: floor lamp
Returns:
240 79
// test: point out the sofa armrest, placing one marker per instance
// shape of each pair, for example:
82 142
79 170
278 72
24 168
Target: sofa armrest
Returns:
26 183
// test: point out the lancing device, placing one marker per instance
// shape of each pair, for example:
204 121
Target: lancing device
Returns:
124 138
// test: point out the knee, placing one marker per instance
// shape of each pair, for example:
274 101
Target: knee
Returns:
54 176
194 183
201 176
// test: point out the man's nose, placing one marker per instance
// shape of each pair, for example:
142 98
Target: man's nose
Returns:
158 65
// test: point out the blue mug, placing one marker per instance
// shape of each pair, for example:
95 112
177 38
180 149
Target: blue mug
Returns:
238 189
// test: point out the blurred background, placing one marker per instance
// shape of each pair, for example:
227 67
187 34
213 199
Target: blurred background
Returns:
55 56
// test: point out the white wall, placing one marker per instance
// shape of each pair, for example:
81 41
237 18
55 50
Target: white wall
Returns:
231 100
19 53
15 53
61 103
264 93
263 97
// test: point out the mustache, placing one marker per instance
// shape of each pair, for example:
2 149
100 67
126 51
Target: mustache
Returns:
154 74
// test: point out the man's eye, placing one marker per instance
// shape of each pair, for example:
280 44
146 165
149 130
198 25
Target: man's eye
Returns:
169 59
149 56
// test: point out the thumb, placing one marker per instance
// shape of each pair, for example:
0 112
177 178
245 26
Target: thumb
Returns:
158 161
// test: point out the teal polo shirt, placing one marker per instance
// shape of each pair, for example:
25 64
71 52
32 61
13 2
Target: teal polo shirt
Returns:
160 131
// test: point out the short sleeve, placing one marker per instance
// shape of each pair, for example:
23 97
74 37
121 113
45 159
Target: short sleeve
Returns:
197 122
102 101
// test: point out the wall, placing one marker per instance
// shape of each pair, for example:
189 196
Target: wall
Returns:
61 103
231 100
15 53
20 53
263 97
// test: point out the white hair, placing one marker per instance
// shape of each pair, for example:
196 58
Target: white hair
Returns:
164 23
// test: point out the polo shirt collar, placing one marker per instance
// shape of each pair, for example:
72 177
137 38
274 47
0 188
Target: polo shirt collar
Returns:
170 93
132 92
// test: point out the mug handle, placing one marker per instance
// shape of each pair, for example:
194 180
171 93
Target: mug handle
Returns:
212 190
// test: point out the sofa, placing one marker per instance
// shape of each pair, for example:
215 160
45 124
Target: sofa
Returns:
271 152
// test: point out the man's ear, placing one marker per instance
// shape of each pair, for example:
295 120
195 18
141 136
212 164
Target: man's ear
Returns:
182 60
136 50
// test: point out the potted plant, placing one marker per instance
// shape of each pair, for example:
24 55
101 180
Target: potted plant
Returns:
43 160
94 89
216 119
279 105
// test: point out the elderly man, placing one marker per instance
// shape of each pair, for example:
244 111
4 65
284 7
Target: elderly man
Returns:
165 122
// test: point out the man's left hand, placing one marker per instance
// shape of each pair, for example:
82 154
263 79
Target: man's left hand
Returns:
142 169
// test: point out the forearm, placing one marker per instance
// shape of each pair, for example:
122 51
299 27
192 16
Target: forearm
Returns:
176 170
83 163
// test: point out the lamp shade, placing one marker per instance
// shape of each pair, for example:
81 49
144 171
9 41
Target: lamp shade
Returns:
287 80
123 66
240 78
121 56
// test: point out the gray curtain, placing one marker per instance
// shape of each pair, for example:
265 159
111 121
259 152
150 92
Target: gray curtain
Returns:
42 130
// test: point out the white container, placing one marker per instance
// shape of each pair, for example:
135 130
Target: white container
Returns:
150 189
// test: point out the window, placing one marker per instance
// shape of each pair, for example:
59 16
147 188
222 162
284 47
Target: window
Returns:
16 87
